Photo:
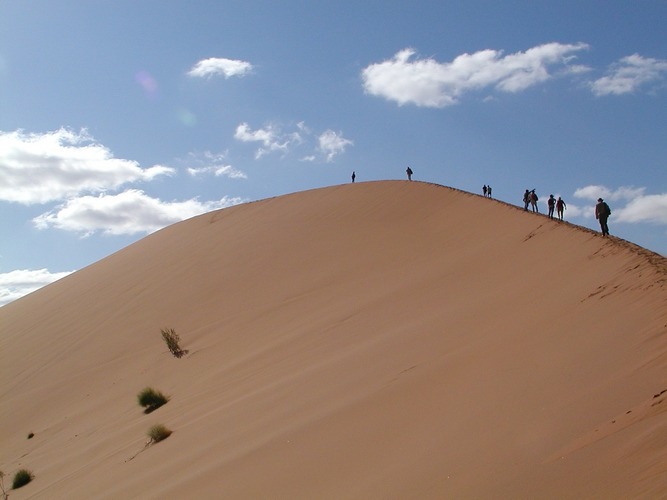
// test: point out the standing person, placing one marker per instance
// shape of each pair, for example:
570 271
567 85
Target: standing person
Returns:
488 190
526 199
551 202
409 172
602 213
533 201
484 190
354 176
560 206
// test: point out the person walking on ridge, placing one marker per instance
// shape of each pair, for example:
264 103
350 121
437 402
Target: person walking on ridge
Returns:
484 190
488 190
354 176
551 202
560 206
526 199
602 213
409 172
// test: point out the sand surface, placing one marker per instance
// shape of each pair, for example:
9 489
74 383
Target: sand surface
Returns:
373 340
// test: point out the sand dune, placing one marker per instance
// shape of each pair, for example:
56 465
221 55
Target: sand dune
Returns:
373 340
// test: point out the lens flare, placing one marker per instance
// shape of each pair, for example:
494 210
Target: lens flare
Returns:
147 82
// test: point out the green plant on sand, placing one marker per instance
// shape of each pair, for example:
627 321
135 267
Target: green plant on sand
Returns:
151 399
21 478
172 340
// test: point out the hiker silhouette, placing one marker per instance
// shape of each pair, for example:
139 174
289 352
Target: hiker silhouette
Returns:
602 213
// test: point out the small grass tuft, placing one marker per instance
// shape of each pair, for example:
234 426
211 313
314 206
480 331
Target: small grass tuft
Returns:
172 340
21 478
31 435
158 433
151 399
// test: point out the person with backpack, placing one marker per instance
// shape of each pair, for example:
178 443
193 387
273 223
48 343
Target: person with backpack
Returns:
602 213
532 196
409 172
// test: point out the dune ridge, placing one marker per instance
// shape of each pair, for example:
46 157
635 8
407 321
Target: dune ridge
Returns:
386 339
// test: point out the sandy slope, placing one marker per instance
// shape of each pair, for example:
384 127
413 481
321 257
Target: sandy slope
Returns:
374 340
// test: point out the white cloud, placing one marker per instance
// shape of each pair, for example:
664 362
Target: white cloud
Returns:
215 66
16 284
271 138
129 212
218 171
39 168
332 143
629 74
592 192
572 210
648 208
208 163
428 83
632 205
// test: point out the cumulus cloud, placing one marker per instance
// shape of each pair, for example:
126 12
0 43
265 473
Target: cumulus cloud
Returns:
16 284
593 192
429 83
333 143
649 208
632 204
39 168
219 66
629 74
129 212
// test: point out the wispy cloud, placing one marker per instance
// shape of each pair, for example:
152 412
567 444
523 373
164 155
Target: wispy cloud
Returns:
219 66
129 212
218 171
208 163
333 143
40 168
633 205
271 138
21 282
429 83
629 75
328 145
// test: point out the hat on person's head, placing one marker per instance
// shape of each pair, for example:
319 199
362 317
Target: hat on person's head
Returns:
599 199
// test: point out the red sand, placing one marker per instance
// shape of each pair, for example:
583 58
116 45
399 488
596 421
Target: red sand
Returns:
373 340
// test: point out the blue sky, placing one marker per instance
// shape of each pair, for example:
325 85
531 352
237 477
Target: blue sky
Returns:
120 117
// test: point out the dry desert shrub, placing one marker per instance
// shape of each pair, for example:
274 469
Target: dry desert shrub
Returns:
172 340
5 495
158 433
